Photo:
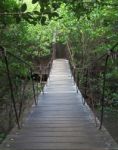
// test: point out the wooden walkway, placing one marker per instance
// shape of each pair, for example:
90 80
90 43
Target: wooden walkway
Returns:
60 121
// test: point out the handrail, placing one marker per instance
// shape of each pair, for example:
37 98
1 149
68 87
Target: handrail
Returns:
47 67
29 66
4 53
18 58
110 53
31 70
73 66
106 55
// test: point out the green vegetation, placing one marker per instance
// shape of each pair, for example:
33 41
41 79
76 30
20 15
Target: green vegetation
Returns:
27 29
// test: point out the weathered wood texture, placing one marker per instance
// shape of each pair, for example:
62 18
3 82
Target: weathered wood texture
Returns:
60 121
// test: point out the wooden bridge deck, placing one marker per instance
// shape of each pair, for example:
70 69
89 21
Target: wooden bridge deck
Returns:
60 121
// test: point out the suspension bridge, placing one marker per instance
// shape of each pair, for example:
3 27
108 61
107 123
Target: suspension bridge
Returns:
60 121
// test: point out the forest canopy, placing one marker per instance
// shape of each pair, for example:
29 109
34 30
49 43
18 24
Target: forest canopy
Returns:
29 28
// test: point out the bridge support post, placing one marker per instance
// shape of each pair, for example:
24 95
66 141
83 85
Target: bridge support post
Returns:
103 92
3 53
33 88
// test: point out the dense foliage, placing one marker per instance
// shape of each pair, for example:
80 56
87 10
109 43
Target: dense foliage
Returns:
88 27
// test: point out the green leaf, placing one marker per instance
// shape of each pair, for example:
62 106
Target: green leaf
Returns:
55 5
18 19
34 1
24 7
55 14
47 10
36 12
43 19
42 8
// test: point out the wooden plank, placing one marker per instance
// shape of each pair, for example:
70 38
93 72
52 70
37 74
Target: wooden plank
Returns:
60 121
56 146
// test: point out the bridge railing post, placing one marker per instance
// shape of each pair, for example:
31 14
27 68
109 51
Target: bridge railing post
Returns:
4 54
103 91
33 87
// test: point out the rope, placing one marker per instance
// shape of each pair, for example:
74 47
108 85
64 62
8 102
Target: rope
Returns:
110 53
